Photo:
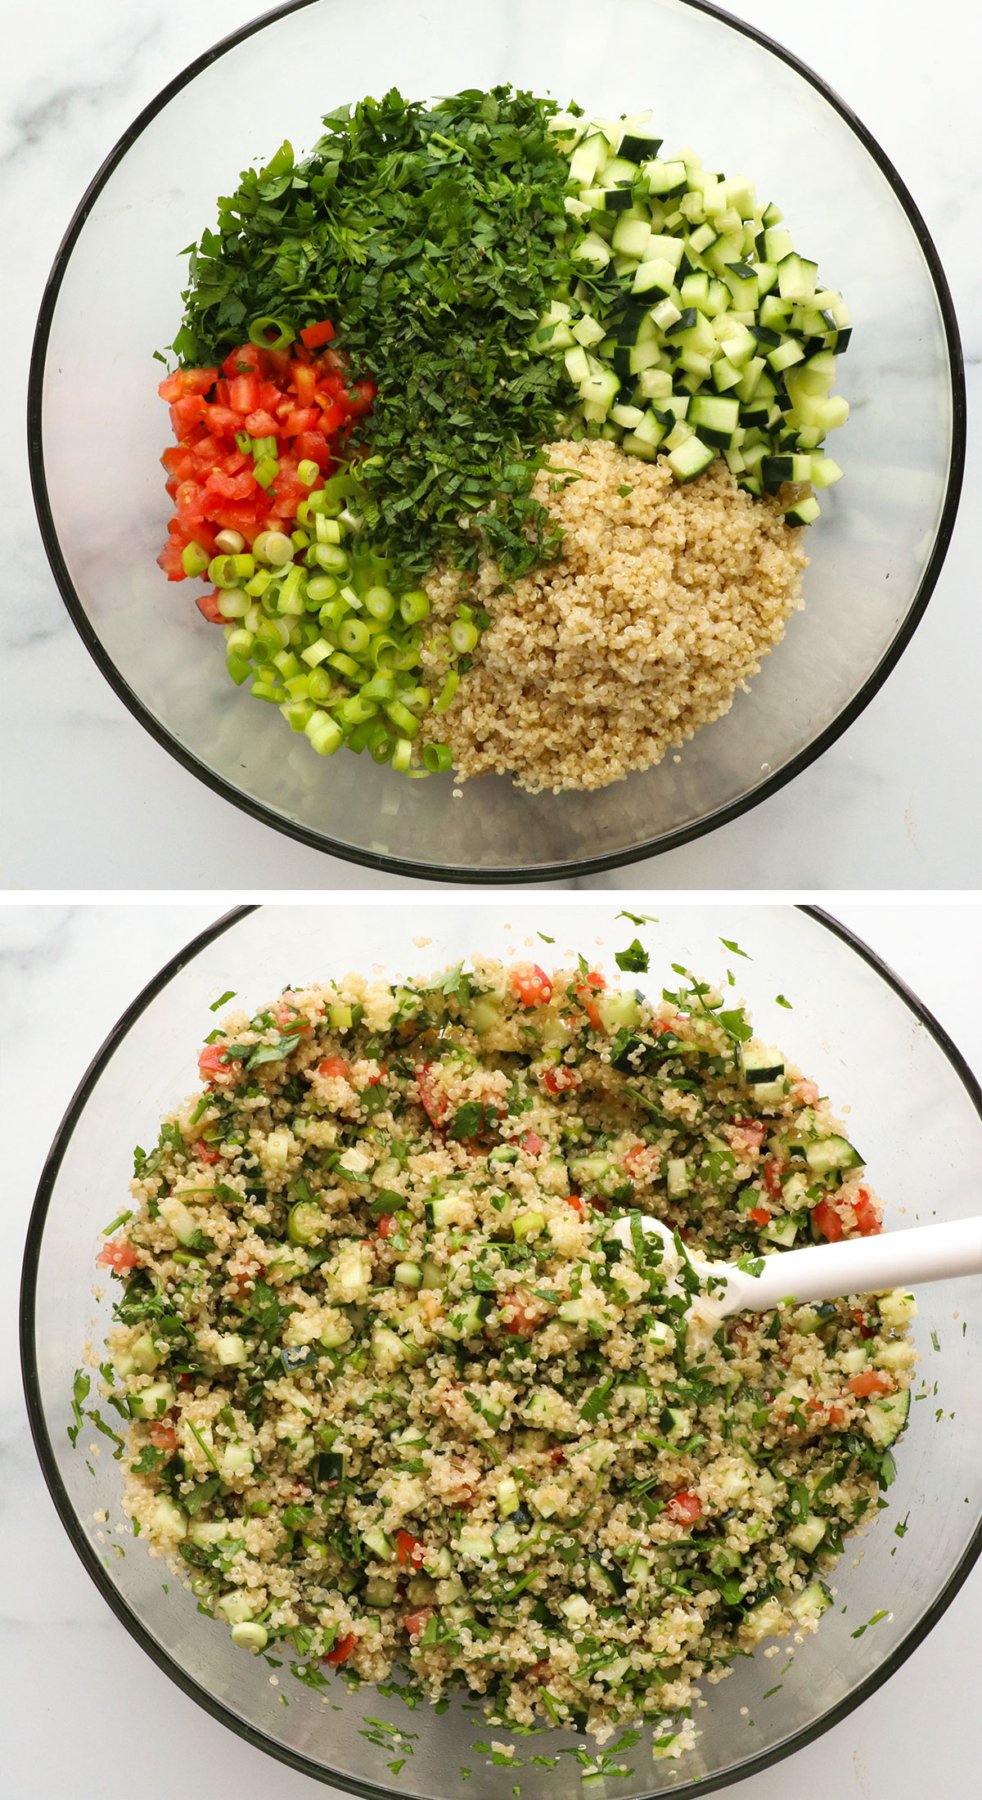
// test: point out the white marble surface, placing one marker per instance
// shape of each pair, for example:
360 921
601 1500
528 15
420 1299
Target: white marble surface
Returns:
96 803
85 1713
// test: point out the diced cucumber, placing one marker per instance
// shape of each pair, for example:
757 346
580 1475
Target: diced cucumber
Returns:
812 1602
576 1609
677 1176
897 1309
476 1544
782 1231
832 1153
506 1496
886 1418
446 1209
175 1214
690 459
153 1401
376 1540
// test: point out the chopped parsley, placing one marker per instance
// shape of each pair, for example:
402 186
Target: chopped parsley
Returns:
634 959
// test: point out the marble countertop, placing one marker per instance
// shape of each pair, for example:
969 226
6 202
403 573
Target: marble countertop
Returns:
96 803
85 1713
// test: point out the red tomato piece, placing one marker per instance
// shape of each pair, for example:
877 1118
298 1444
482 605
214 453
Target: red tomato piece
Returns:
359 397
207 605
532 1143
387 1225
410 1550
523 1321
867 1214
304 379
243 392
333 415
415 1622
245 356
752 1132
342 1650
314 336
576 1202
434 1103
163 1435
262 423
685 1506
870 1382
561 1079
298 419
182 382
170 560
205 1152
531 985
118 1254
213 1066
759 1215
312 446
773 1170
334 1067
827 1221
865 1331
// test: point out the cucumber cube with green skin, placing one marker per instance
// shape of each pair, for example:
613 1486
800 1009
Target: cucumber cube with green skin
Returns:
152 1401
808 1535
897 1309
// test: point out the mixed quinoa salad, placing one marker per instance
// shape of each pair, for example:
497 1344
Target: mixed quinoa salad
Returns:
397 1395
480 371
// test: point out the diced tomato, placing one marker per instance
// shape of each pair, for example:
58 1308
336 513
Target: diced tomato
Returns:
867 1214
387 1224
213 1065
342 1650
118 1254
870 1382
244 356
207 605
685 1506
243 392
333 414
298 419
806 1092
262 423
633 1157
182 382
416 1622
187 413
532 1143
594 983
522 1321
827 1221
312 446
222 486
316 335
750 1133
410 1550
577 1203
531 985
205 1153
759 1215
773 1171
865 1331
170 560
434 1103
304 379
359 397
334 1068
560 1079
163 1435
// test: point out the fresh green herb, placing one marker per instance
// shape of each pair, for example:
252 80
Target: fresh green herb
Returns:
545 939
633 959
435 239
224 999
625 489
781 1001
107 1230
935 1340
638 918
728 944
80 1392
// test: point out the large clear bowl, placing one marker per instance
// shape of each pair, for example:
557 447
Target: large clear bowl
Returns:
97 428
854 1028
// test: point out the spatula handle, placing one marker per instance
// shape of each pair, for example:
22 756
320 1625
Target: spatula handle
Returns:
864 1265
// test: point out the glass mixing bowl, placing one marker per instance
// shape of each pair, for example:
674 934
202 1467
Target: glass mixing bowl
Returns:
114 297
868 1042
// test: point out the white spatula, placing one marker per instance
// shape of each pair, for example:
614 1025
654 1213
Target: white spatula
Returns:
863 1265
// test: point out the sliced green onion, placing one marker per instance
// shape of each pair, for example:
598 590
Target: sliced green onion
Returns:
331 558
437 758
356 710
300 539
273 547
243 442
239 668
328 530
270 333
266 471
263 447
194 560
291 596
239 642
380 687
316 653
380 603
321 588
345 666
221 571
257 586
307 472
353 636
463 636
264 690
447 692
324 733
402 754
233 603
414 606
402 718
319 685
231 542
417 699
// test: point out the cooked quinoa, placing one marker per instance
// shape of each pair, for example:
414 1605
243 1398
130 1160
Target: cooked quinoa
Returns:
398 1394
663 604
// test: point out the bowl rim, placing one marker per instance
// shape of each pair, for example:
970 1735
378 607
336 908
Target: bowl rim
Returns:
403 865
400 865
99 1574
